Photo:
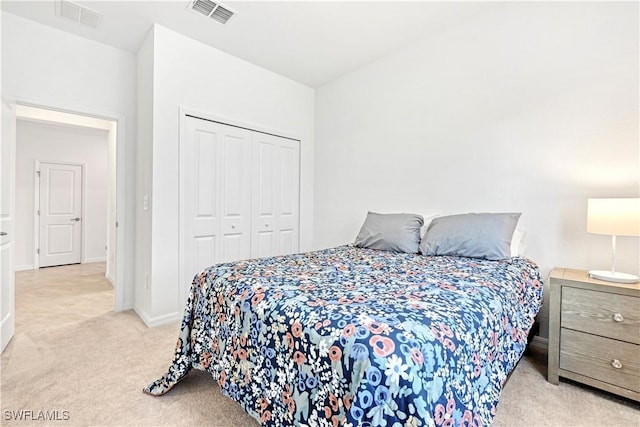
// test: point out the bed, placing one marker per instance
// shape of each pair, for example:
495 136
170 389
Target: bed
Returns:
358 336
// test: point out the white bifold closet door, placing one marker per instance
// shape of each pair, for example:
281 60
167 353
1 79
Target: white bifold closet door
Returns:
275 196
217 194
240 193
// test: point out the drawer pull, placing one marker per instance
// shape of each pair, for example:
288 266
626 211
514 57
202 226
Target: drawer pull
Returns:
616 364
618 317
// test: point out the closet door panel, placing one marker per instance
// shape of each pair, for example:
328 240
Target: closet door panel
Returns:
289 197
275 195
202 201
265 191
236 194
266 178
263 243
200 160
288 242
288 179
205 249
234 248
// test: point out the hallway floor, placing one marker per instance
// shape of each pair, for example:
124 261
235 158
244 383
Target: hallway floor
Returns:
55 296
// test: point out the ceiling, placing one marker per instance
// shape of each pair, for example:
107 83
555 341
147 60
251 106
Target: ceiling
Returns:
312 42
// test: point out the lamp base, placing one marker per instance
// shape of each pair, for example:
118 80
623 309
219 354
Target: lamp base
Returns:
609 276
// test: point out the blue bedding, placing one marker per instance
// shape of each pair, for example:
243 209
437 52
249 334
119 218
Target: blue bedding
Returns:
353 336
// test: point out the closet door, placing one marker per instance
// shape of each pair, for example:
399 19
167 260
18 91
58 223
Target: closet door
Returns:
289 198
235 194
216 194
200 187
275 193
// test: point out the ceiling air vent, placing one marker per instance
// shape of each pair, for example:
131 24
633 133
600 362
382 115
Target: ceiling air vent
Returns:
211 9
75 12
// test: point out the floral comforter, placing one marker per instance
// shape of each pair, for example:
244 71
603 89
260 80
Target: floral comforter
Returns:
351 336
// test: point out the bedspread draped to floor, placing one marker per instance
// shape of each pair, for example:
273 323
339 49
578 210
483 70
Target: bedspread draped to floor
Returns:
350 335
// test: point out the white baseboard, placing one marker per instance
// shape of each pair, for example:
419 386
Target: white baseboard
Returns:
152 322
7 330
110 279
86 261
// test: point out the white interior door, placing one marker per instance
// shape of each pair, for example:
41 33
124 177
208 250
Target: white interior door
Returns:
276 188
200 186
215 184
60 214
265 196
7 161
236 193
289 197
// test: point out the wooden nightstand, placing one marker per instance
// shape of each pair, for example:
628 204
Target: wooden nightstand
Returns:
594 332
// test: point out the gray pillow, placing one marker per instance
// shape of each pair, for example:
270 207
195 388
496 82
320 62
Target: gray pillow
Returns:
391 232
475 235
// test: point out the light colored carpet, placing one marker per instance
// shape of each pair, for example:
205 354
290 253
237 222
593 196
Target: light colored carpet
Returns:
72 353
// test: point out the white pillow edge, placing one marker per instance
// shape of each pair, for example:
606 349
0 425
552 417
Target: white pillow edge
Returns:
427 221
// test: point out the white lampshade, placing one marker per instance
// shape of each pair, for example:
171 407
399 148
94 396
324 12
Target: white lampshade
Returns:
614 217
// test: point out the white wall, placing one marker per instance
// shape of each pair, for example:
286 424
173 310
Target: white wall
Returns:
112 216
52 68
529 107
187 73
52 143
145 80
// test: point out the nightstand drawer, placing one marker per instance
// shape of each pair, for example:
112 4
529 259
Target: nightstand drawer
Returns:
601 313
603 359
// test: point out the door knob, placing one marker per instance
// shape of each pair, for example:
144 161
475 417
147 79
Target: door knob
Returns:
3 233
75 219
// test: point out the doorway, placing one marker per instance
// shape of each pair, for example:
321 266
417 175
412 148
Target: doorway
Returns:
115 125
66 158
118 266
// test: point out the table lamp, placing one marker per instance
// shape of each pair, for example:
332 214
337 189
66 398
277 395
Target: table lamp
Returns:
613 217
